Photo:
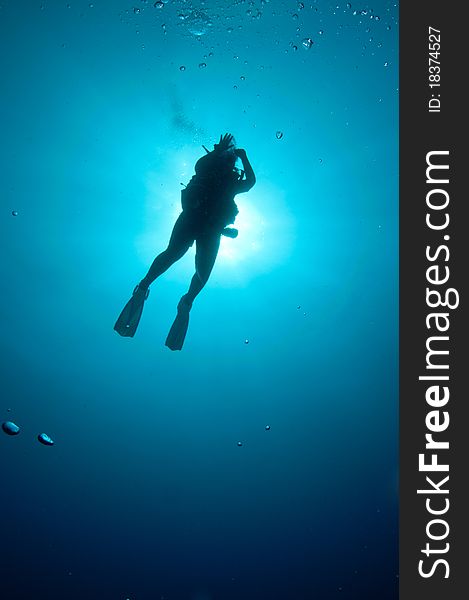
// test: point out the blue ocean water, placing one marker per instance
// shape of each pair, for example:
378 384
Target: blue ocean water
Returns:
146 493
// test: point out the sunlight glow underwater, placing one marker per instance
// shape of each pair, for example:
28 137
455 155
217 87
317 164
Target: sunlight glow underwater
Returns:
266 227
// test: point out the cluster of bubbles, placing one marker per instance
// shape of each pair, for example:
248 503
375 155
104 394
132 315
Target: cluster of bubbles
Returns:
196 22
253 13
11 428
364 12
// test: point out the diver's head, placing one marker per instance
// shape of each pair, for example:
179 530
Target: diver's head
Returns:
229 158
225 149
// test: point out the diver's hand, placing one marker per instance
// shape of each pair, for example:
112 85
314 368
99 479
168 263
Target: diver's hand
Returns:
225 142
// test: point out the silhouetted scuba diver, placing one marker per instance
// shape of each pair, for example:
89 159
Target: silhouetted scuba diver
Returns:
208 206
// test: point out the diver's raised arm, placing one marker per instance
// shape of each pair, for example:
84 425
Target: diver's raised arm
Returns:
225 143
246 184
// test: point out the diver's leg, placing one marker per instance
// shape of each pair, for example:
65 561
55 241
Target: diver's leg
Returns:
179 243
181 239
206 253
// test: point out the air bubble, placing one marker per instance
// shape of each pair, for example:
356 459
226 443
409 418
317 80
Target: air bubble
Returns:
307 43
182 68
279 135
10 428
45 439
202 65
14 213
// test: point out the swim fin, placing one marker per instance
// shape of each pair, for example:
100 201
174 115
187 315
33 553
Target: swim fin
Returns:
177 333
127 323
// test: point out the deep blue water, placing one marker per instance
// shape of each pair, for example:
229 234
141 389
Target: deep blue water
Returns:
146 494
